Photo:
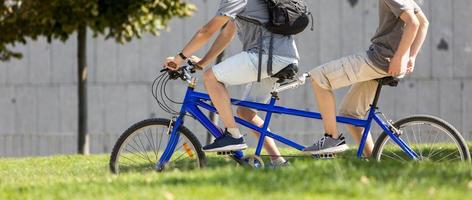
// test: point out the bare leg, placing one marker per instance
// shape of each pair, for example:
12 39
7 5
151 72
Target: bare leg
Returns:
356 133
356 104
327 106
269 143
220 98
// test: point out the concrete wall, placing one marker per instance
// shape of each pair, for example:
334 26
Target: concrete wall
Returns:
38 100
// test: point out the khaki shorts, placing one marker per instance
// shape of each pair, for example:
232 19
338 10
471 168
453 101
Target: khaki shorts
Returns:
356 70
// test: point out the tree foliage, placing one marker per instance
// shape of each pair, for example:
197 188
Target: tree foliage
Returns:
121 20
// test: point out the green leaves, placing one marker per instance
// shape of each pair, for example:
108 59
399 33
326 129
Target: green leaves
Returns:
122 20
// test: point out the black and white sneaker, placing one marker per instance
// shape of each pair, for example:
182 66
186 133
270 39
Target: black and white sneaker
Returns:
327 145
226 143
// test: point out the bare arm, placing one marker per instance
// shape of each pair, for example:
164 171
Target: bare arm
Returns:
223 40
421 36
400 59
198 41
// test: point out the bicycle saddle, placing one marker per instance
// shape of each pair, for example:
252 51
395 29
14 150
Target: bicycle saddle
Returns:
390 81
286 73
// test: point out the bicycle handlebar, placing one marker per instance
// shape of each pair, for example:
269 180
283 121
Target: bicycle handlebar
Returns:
185 72
182 73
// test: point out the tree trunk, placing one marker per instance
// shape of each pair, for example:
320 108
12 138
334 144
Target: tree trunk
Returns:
83 137
213 116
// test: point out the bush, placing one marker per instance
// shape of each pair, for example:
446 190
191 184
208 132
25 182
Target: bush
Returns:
122 20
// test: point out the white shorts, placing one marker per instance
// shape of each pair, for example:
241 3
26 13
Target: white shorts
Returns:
242 69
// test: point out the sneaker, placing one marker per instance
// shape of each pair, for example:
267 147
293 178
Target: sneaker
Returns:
328 144
281 165
226 143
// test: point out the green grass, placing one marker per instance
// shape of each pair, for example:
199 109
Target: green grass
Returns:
80 177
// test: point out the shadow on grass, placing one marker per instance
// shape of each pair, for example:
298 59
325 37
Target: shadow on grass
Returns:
344 177
346 168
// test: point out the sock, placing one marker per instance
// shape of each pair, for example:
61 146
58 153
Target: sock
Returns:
278 161
329 135
234 132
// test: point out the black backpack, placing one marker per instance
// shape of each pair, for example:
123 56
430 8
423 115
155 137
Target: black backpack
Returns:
286 17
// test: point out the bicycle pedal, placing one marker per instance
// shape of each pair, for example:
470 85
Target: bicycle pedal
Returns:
324 156
224 153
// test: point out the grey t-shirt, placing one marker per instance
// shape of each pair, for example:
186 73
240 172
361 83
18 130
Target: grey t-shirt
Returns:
389 33
249 33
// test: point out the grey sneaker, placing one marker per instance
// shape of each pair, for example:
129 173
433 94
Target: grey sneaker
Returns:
327 145
281 165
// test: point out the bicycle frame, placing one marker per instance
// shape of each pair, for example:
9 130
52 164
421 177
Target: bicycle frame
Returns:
195 100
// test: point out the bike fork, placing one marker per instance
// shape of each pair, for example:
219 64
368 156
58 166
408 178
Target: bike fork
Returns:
173 140
394 134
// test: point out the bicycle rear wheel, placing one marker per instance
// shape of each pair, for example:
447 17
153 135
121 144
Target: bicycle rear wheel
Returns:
433 139
139 148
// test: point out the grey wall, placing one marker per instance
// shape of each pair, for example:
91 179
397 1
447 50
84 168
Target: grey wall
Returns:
38 101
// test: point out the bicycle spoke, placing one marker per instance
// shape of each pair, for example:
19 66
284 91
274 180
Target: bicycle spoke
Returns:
432 144
134 161
141 155
151 143
432 150
389 156
180 156
408 142
154 142
402 159
454 158
446 156
439 152
130 159
144 149
160 141
416 139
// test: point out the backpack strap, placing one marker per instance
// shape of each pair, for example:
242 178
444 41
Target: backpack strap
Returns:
261 41
259 67
271 54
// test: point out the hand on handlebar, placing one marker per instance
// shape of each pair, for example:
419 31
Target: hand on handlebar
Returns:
182 72
173 63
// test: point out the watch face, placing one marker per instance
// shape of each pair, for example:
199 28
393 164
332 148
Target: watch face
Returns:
182 56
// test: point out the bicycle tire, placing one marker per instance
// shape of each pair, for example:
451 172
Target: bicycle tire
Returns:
452 132
197 147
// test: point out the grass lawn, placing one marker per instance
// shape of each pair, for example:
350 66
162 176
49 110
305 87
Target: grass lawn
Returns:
79 177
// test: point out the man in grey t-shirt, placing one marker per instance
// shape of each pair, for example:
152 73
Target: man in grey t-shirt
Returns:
241 68
398 40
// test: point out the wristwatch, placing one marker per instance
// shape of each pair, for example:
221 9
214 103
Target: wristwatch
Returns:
181 55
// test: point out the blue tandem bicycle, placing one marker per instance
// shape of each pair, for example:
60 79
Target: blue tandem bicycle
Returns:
166 144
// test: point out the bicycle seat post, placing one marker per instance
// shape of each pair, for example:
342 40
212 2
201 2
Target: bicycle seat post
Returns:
377 95
275 95
389 81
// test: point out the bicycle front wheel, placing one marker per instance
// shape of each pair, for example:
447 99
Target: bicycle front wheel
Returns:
139 148
433 139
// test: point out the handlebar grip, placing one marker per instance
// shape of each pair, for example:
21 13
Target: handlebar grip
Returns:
172 65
